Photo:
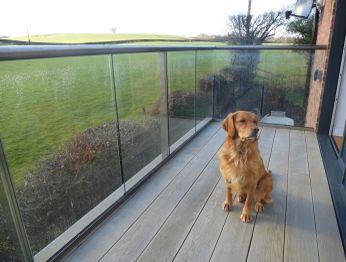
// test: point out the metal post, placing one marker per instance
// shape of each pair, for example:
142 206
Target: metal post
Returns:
7 185
164 121
117 121
213 96
213 87
262 97
194 100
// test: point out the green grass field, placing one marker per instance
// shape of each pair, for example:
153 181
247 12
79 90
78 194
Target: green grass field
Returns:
45 102
93 38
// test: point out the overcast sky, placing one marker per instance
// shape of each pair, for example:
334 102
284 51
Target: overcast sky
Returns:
177 17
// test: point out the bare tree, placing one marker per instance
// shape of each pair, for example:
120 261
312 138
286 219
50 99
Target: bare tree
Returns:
113 29
249 29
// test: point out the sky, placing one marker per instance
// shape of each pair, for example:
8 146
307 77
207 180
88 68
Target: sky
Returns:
174 17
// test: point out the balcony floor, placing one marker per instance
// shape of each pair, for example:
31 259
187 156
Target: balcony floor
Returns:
176 214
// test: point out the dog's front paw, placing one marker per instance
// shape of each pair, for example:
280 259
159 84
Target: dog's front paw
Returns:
259 207
246 218
226 206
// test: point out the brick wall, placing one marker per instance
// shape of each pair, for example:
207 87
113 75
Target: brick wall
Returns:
320 62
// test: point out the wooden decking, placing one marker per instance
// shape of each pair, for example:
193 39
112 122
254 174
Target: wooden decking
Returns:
177 215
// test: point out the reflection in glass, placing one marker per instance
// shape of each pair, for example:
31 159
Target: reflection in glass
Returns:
344 151
59 132
339 120
237 87
338 137
204 87
224 101
286 79
9 243
181 95
139 101
272 83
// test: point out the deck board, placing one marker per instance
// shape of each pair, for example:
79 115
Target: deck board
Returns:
139 235
300 234
168 240
270 225
199 244
176 214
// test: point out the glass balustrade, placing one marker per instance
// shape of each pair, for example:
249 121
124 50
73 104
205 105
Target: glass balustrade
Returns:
80 131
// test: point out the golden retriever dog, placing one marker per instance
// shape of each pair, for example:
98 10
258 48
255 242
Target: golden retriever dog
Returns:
242 166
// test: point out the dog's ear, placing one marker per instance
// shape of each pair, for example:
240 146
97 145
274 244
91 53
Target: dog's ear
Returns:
228 124
224 124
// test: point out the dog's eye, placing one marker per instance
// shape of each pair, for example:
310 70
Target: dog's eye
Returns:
242 121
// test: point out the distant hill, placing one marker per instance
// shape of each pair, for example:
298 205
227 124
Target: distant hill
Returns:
92 38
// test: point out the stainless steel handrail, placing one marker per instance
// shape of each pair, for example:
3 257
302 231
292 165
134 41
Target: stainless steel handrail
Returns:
45 51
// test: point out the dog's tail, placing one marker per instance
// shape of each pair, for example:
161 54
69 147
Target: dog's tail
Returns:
267 199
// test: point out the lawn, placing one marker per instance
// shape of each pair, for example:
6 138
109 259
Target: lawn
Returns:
45 102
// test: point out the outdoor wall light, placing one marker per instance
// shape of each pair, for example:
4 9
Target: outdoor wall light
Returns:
320 5
303 8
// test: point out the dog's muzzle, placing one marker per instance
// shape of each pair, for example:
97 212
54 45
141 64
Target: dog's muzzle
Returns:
253 135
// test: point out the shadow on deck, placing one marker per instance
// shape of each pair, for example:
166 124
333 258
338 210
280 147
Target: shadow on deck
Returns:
176 214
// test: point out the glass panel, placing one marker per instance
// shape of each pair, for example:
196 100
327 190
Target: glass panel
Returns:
273 83
237 88
59 131
286 81
181 96
204 87
224 101
9 243
139 100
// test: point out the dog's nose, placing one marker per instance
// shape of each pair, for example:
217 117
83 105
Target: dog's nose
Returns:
255 130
